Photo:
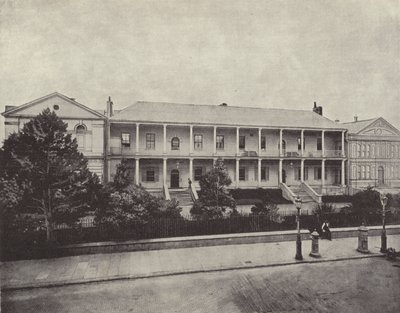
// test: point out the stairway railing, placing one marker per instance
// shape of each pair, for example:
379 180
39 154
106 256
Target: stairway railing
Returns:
311 192
287 192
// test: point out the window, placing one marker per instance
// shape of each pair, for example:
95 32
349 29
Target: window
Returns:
263 143
368 172
198 142
354 172
363 151
264 173
317 173
150 175
242 142
80 136
359 172
150 141
175 143
306 173
242 173
363 172
368 151
297 173
220 142
359 150
198 173
319 143
126 139
299 143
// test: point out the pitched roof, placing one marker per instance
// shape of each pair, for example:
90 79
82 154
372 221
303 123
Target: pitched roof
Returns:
161 112
356 127
14 109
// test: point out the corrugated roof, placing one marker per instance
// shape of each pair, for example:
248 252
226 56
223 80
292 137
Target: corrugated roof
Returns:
356 127
161 112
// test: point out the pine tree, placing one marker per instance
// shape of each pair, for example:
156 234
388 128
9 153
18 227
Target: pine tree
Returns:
45 162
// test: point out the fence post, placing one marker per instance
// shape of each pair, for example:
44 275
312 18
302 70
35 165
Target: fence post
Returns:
363 239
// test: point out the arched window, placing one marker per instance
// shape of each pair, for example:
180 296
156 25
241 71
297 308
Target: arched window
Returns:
80 131
363 172
363 150
358 150
368 151
175 143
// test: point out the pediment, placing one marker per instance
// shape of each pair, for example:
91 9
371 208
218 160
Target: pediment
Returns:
380 127
63 106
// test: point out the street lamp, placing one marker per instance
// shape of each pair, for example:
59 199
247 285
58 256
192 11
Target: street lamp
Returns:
297 202
384 201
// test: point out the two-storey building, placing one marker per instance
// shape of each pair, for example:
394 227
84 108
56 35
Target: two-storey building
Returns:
85 124
170 144
374 154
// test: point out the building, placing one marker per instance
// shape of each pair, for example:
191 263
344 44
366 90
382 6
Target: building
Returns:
170 144
374 154
87 125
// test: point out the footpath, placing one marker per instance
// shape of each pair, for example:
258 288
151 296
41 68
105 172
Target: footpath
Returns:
27 274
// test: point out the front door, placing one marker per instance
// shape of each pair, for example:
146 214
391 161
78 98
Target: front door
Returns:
174 179
338 176
381 176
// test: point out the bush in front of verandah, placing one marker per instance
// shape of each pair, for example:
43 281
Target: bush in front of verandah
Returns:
215 200
123 207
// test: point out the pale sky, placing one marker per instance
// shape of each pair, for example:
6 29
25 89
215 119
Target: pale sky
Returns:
284 54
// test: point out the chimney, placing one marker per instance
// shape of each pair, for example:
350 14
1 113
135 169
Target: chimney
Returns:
223 104
337 121
355 118
317 109
109 111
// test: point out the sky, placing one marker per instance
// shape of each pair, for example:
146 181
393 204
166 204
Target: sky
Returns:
345 55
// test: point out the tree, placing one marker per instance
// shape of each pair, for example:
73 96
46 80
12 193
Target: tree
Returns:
214 200
45 163
267 209
123 204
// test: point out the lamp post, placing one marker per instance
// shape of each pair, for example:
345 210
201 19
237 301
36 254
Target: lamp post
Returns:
297 202
384 201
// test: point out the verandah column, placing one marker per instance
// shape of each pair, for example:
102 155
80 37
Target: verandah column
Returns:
137 138
237 140
323 173
280 143
302 142
191 169
215 140
237 173
165 138
259 141
137 171
259 173
323 143
191 140
302 171
280 171
342 143
164 171
343 172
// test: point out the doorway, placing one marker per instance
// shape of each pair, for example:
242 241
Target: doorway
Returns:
381 176
284 176
174 179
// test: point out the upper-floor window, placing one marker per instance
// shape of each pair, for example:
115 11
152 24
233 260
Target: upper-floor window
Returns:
368 151
319 143
299 143
359 150
175 143
363 151
242 142
220 142
150 141
126 139
198 142
80 136
263 143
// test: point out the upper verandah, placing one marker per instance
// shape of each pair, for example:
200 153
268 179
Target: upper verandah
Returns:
223 115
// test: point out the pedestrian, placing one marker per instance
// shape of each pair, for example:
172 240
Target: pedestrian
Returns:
326 231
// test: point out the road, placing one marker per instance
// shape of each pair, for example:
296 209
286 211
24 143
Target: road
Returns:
364 285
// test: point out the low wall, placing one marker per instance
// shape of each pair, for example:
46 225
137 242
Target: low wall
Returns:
211 240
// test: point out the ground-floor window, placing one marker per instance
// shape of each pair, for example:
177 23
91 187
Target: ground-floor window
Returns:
242 173
317 173
198 173
150 174
264 173
306 173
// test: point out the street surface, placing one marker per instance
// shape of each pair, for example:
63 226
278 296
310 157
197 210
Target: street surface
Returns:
359 285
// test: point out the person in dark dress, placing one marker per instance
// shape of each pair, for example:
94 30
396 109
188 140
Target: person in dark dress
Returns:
326 231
